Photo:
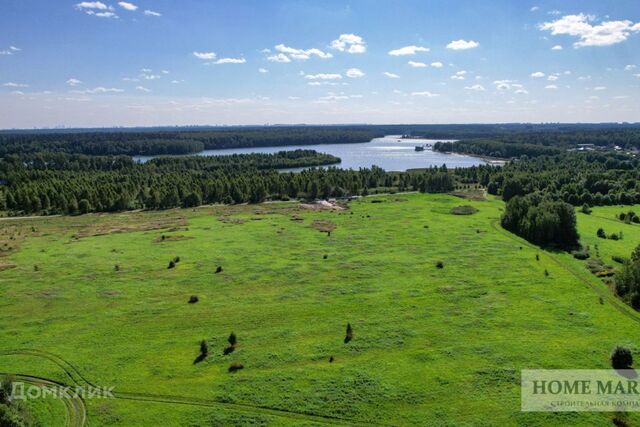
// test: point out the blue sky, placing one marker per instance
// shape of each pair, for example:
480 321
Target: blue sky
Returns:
170 62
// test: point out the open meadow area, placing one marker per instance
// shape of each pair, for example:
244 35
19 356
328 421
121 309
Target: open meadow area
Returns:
445 311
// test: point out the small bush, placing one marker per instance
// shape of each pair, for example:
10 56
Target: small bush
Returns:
349 335
439 264
116 267
537 257
601 234
233 340
581 254
619 259
172 264
621 358
331 359
546 272
586 209
464 210
614 236
193 299
176 259
235 367
219 269
325 256
204 348
228 350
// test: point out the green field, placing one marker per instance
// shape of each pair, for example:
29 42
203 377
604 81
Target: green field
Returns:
432 346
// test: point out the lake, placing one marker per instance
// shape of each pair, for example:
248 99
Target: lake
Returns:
390 153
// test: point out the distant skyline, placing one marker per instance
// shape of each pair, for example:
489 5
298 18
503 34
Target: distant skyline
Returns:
195 62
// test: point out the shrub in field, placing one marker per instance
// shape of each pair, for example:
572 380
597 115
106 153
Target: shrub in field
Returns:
621 358
546 272
235 367
204 348
464 210
219 269
581 254
618 259
601 234
233 340
193 299
439 264
586 209
176 259
172 264
349 336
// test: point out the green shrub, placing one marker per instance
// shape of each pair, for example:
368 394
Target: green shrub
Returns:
464 210
349 336
235 367
621 358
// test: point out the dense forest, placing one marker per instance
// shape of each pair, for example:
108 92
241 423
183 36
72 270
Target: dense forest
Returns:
59 183
179 141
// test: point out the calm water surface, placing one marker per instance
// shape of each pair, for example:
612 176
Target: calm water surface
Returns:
390 153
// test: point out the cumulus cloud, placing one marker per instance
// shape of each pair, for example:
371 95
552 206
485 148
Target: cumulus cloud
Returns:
354 73
349 43
302 54
510 85
630 67
462 44
73 82
537 74
231 61
205 55
408 50
437 64
128 6
391 75
143 89
534 8
459 75
92 5
553 78
476 87
322 76
415 64
556 47
280 57
425 93
551 87
13 84
600 88
152 13
263 70
605 33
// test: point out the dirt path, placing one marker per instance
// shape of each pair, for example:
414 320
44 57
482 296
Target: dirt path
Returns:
75 409
78 379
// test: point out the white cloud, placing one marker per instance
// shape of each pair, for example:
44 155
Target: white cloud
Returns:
12 84
349 43
391 75
143 89
92 5
556 47
459 75
128 6
103 14
323 76
73 82
101 89
600 88
204 55
437 64
424 93
605 33
152 13
476 87
408 50
415 64
521 91
263 70
462 44
534 8
354 73
14 49
552 78
637 75
537 74
302 54
551 87
280 57
293 98
630 67
231 61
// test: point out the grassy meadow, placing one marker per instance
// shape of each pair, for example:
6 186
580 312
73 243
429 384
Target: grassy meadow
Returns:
90 298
